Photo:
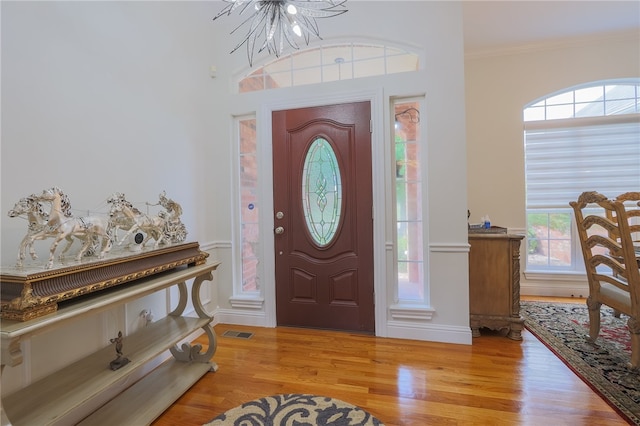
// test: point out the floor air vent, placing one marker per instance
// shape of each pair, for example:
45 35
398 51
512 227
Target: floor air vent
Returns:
237 334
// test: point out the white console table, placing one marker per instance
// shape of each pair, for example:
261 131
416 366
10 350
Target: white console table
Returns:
49 400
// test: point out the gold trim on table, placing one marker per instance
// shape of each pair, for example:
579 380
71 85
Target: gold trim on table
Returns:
31 291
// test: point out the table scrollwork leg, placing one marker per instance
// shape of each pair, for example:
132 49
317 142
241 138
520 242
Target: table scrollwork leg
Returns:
192 353
182 302
4 420
188 352
11 352
11 356
195 294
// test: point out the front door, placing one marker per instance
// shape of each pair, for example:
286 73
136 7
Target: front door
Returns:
323 207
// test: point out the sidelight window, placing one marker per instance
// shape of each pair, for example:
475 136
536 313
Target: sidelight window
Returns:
249 217
408 179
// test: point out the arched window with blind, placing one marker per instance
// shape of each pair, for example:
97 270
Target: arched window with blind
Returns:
584 138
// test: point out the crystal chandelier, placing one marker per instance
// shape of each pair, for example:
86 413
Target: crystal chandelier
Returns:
270 25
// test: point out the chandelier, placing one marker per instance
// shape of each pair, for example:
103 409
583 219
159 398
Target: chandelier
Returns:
272 25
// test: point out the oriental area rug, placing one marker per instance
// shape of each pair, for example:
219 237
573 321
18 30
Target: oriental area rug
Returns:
295 410
564 327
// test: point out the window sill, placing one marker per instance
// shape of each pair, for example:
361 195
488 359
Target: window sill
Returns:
405 311
246 302
554 275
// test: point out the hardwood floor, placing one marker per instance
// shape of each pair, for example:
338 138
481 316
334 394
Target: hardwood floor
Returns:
494 381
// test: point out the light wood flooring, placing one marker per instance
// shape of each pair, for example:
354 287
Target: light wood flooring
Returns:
494 381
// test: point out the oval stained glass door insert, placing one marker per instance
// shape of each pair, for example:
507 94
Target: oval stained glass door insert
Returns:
321 192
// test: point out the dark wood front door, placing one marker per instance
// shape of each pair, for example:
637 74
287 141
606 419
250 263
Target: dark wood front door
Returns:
323 217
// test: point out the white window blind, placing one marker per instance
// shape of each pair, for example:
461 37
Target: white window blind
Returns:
567 157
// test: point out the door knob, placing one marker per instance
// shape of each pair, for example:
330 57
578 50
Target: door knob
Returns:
279 215
279 230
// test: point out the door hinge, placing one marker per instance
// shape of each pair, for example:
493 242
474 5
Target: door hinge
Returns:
370 126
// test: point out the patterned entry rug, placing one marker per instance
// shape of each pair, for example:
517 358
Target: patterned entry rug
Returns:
295 410
603 365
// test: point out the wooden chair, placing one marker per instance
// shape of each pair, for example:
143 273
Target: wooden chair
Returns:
631 200
611 263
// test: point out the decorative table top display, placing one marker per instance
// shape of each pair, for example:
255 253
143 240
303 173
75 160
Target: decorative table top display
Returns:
103 260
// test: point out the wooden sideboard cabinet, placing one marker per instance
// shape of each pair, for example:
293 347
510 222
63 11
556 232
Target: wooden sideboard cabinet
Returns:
49 401
494 283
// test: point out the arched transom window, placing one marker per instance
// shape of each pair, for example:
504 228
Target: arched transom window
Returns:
326 63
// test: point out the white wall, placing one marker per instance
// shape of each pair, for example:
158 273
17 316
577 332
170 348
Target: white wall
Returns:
497 88
104 97
99 97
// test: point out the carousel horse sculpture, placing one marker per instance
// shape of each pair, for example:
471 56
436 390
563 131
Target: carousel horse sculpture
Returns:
123 212
175 231
62 225
117 218
37 217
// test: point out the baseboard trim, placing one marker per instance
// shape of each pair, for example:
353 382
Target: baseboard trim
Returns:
429 332
554 290
231 316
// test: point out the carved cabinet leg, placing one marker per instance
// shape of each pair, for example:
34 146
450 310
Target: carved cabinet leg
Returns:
515 332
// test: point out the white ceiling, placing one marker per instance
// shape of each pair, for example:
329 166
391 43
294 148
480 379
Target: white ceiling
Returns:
495 25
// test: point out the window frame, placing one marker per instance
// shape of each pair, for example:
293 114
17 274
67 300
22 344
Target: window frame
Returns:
413 107
241 263
576 121
326 67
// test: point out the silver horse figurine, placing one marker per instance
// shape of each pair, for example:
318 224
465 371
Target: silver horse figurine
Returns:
62 225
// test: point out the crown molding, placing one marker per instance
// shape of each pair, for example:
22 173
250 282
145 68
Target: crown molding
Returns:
553 44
